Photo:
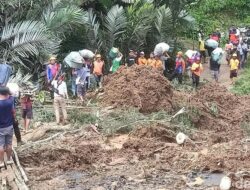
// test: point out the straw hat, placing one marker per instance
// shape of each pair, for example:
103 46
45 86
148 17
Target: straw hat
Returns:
98 56
180 53
52 58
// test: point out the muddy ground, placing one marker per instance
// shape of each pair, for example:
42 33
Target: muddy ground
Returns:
148 157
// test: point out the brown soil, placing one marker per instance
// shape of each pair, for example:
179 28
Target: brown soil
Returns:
138 86
148 158
158 132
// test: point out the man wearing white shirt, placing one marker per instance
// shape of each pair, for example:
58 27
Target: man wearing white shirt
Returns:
60 93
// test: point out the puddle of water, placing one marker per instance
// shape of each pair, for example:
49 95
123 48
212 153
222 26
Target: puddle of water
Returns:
210 179
73 180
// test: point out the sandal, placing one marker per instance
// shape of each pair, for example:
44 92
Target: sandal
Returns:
2 165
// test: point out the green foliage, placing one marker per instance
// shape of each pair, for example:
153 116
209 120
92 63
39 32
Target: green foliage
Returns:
78 117
43 115
210 14
24 39
114 24
242 85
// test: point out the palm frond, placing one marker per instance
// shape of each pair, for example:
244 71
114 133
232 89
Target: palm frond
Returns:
21 80
128 1
140 17
115 23
25 39
93 30
61 19
12 30
163 23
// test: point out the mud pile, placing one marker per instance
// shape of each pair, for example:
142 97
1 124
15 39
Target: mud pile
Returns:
218 113
155 131
219 95
138 86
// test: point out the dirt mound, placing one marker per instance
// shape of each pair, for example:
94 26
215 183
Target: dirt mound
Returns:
156 132
218 94
216 109
138 86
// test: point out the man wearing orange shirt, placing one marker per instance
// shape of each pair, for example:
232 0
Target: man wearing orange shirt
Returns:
151 60
142 60
158 62
98 68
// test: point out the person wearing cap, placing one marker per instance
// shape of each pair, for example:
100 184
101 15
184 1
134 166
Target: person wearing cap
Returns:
52 71
196 70
234 66
26 105
7 113
60 93
142 60
98 70
179 67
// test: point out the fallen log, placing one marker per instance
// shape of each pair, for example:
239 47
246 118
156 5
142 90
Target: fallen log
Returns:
20 168
40 132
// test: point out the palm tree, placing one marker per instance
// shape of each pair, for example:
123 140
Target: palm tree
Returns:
36 31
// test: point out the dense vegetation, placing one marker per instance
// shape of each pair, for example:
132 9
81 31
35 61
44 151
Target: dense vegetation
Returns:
33 30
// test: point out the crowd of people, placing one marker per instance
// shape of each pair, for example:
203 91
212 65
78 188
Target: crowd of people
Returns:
236 54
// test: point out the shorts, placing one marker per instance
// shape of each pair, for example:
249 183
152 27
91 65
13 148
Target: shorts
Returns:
233 74
27 113
81 89
6 135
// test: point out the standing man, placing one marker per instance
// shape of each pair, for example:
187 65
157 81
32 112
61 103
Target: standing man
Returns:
214 67
116 63
15 93
81 84
158 62
202 50
245 52
179 67
142 60
26 104
196 72
132 57
89 68
7 113
53 70
60 93
234 66
98 70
